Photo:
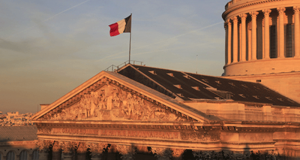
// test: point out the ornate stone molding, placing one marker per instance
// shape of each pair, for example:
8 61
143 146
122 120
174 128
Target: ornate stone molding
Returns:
246 5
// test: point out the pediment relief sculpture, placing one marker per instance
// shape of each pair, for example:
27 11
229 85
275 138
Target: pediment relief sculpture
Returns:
110 102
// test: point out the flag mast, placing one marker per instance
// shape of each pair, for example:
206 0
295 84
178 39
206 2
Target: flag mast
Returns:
130 37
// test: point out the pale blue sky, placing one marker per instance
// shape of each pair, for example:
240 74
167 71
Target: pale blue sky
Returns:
48 48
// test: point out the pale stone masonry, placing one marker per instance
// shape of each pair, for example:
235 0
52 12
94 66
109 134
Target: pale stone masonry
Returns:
141 112
272 47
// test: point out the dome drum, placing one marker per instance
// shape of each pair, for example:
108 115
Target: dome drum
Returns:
249 40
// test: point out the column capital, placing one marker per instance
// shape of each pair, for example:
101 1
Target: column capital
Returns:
127 151
254 13
177 152
296 9
228 22
243 16
235 19
225 25
267 11
81 147
162 153
43 145
66 147
281 9
97 147
56 146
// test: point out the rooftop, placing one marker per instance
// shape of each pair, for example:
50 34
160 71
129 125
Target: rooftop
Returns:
190 86
18 133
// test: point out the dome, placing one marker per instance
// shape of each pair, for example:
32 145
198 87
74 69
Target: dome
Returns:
262 37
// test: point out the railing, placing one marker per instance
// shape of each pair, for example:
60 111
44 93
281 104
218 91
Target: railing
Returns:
116 68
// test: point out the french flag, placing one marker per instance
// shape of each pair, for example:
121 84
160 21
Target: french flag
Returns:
121 26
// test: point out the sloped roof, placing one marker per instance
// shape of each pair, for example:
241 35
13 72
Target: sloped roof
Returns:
18 133
190 86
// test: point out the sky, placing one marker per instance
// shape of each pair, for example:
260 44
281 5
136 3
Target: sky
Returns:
48 48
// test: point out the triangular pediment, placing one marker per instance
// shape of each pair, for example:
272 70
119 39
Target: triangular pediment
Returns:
113 97
110 102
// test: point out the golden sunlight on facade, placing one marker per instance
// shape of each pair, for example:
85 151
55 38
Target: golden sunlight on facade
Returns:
263 43
140 112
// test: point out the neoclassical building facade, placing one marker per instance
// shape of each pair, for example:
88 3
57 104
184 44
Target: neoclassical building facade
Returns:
140 112
263 43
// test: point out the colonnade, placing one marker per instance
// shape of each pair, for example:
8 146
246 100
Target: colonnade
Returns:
66 151
242 35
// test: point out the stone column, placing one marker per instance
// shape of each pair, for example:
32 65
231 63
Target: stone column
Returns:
97 149
177 153
81 151
226 42
127 152
297 32
254 38
249 43
67 151
235 39
229 41
243 36
281 32
43 148
267 34
162 153
56 154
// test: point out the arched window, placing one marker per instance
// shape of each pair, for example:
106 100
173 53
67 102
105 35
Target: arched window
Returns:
10 155
23 155
35 155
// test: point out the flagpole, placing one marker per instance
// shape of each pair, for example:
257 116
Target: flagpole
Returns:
130 38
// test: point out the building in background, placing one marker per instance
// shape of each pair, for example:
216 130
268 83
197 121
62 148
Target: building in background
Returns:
15 119
18 143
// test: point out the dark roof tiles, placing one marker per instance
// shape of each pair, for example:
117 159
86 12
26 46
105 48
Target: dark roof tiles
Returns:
189 86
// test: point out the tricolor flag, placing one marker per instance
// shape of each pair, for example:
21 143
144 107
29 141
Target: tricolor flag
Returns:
121 26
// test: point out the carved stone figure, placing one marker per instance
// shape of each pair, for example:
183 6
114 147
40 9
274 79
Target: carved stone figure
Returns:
113 103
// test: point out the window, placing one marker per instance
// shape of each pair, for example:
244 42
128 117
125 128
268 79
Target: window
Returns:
273 41
10 155
35 155
289 40
23 155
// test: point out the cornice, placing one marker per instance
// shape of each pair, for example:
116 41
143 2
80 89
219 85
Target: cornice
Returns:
247 4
